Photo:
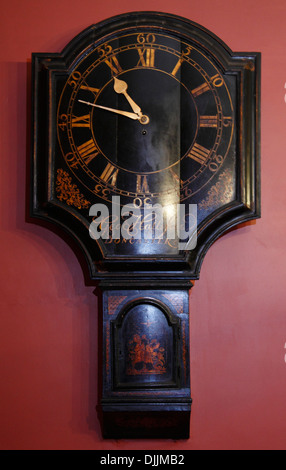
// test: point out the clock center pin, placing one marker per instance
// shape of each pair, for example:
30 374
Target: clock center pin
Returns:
144 119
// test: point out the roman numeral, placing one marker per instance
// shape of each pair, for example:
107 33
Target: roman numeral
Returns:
147 57
109 174
114 65
81 121
176 177
208 121
88 151
184 55
199 154
200 89
90 88
142 184
177 66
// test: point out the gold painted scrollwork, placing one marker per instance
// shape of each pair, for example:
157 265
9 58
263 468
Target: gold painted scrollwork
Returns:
221 192
69 192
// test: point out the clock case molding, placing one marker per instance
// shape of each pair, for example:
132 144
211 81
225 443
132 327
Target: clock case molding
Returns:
145 301
186 265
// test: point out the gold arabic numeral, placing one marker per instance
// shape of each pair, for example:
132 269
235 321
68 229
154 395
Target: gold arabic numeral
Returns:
88 151
71 160
181 60
75 77
102 190
215 163
62 122
227 121
208 121
142 184
217 80
109 174
139 201
104 50
187 192
114 65
199 153
143 37
203 88
81 121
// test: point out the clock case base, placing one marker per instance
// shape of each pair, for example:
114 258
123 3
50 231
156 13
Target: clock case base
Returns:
146 372
156 422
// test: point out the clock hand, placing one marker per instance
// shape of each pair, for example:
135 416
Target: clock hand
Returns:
142 119
117 111
120 87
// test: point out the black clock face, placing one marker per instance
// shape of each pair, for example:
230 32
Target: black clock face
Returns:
179 136
147 117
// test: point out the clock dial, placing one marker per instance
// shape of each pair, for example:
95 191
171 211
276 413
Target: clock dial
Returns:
145 114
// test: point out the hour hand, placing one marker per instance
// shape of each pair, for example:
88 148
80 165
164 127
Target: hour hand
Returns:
120 87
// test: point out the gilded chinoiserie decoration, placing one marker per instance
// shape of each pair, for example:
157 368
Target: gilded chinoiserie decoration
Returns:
146 356
221 191
69 192
113 303
176 301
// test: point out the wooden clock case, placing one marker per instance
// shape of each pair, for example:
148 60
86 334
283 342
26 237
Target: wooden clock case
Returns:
145 313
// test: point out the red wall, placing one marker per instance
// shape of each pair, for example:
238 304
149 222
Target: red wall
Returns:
48 331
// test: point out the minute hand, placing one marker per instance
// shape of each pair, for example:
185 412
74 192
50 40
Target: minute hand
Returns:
116 111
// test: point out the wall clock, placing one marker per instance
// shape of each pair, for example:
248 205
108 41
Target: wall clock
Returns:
145 150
